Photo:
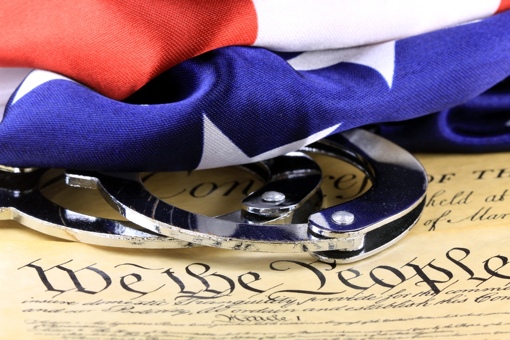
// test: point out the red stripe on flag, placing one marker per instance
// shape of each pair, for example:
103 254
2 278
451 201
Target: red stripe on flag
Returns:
115 47
503 6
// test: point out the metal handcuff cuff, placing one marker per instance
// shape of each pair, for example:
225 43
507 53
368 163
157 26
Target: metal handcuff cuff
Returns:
281 216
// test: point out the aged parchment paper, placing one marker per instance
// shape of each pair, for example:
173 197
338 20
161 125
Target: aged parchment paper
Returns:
449 277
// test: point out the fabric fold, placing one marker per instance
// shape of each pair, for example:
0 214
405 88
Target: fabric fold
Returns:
115 47
251 102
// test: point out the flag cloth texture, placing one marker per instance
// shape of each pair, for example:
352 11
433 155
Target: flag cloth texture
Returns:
482 124
240 104
116 46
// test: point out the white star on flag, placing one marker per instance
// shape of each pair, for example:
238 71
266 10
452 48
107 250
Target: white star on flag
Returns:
380 57
219 150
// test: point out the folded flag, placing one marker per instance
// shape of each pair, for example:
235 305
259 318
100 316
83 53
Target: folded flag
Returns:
117 46
237 105
480 125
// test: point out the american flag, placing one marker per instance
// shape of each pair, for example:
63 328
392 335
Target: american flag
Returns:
160 85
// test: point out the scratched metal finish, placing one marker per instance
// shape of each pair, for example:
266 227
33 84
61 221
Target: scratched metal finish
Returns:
382 215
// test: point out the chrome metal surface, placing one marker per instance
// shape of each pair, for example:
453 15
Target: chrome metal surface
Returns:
272 196
21 200
342 217
295 175
381 216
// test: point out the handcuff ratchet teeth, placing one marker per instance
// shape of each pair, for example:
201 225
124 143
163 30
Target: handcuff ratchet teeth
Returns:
343 233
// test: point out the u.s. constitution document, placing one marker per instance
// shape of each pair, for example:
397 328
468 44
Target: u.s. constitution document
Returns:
448 277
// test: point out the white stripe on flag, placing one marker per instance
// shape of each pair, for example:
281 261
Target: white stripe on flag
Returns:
305 25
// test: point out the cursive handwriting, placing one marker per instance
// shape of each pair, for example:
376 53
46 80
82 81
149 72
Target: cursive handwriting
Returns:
199 281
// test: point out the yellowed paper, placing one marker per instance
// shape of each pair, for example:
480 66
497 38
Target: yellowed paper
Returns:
449 277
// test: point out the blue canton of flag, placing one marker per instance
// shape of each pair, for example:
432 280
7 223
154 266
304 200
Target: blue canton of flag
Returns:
237 105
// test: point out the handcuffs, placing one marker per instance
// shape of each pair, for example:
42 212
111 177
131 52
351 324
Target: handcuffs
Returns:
282 216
